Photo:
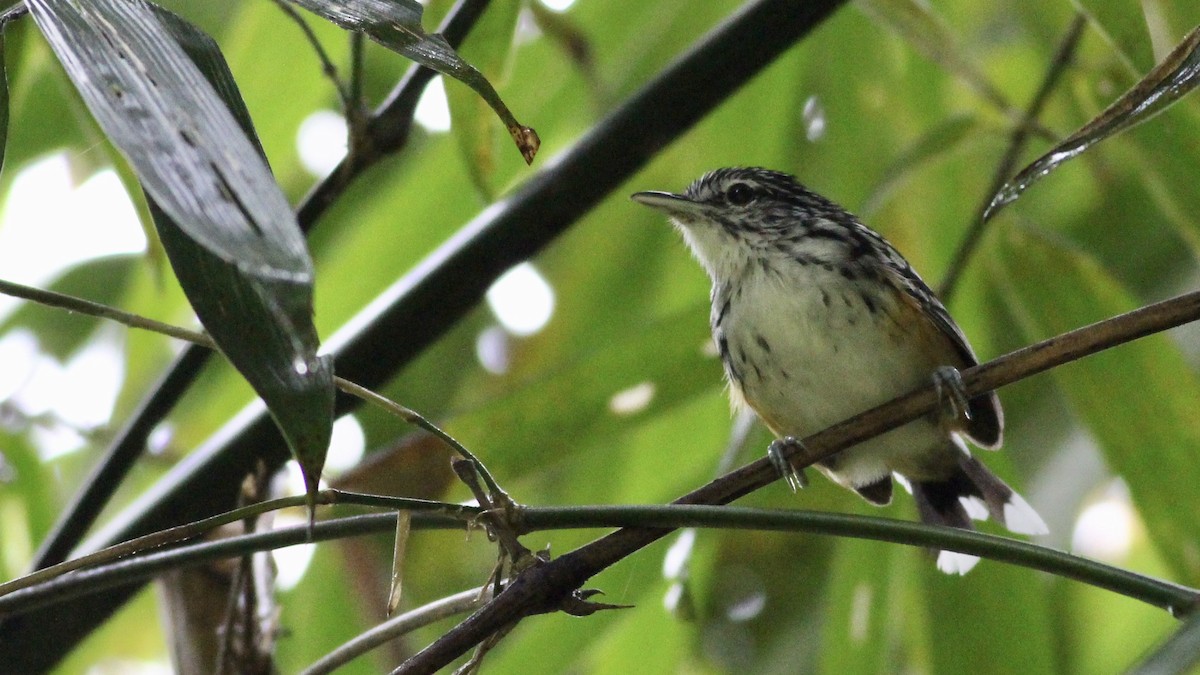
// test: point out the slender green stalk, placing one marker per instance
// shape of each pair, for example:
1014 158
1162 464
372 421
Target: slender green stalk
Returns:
191 530
416 419
464 601
1179 600
327 65
101 311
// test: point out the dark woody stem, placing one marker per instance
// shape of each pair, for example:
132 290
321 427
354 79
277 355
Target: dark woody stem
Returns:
1008 163
541 588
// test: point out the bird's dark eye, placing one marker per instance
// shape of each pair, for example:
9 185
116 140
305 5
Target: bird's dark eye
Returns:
739 194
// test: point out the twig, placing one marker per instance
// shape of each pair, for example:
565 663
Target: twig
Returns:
393 120
416 419
96 309
180 533
544 586
1016 144
345 94
398 626
102 311
150 541
1180 600
354 105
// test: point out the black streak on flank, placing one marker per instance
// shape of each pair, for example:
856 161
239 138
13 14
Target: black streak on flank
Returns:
723 348
741 356
724 310
869 302
762 342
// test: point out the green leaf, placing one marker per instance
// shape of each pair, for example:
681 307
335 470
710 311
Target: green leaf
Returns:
254 322
929 34
1138 400
261 319
396 24
227 228
1169 81
187 149
1123 24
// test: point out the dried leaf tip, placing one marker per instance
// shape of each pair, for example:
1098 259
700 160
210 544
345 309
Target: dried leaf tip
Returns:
527 141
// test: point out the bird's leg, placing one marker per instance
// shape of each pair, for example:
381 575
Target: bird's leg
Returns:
775 452
952 396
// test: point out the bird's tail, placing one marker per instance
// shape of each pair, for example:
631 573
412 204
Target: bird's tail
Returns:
972 492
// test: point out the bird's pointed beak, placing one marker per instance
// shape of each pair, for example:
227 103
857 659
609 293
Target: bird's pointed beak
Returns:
668 202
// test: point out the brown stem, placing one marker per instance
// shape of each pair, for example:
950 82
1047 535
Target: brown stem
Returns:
1008 163
546 586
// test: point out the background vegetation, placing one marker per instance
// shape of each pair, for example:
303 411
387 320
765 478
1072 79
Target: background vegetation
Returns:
900 111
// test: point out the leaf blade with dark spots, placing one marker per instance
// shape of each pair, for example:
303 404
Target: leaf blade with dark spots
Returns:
227 228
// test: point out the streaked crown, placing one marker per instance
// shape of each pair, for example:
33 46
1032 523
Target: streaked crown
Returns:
735 216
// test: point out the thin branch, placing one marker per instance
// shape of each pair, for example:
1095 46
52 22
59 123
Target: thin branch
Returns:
191 530
418 420
150 541
102 311
327 66
434 296
139 568
544 587
398 626
1016 144
1180 600
354 106
392 122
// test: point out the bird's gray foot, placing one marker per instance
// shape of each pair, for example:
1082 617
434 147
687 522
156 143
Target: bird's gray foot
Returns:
951 394
775 452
